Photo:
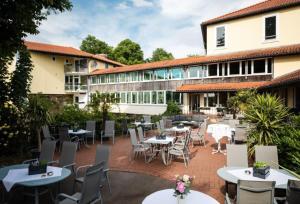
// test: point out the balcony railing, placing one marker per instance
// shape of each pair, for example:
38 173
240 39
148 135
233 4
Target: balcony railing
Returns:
71 69
75 88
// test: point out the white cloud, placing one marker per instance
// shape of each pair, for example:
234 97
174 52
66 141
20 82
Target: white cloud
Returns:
142 3
122 6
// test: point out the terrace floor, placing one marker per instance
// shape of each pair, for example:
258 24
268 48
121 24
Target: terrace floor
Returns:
203 165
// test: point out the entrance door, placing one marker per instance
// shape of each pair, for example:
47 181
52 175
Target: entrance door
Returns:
194 102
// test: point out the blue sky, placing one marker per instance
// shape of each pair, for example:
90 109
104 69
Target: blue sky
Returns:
170 24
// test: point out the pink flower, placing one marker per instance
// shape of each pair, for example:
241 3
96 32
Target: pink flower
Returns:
180 187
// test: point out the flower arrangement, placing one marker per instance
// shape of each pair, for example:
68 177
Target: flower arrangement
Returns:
183 185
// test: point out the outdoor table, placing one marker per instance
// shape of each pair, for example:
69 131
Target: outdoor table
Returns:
80 133
218 131
166 197
35 183
233 174
175 129
162 147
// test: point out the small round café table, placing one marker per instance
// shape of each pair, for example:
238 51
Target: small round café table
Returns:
166 197
35 184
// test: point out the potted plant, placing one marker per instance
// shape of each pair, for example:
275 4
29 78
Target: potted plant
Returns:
37 167
182 187
261 170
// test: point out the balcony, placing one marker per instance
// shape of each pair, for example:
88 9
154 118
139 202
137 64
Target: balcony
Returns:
75 88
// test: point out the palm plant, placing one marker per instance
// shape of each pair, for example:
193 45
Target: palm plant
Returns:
266 113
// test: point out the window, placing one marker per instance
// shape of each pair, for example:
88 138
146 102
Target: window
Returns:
94 80
177 73
177 97
111 78
122 77
234 68
259 66
220 34
225 69
148 75
220 70
243 67
134 76
106 66
249 67
160 74
270 65
147 97
169 96
103 79
123 97
118 99
270 28
93 64
80 64
134 97
210 99
128 97
203 71
194 72
213 70
140 97
154 97
160 97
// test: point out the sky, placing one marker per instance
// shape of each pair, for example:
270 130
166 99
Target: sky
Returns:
170 24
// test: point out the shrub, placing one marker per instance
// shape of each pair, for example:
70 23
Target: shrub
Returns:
172 109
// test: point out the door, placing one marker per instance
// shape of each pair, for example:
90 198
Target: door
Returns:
194 102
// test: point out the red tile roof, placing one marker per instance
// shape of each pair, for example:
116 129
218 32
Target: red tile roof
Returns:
243 55
57 49
284 79
232 86
259 8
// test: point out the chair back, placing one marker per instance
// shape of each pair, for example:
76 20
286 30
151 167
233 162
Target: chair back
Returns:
187 139
91 185
63 133
162 125
202 130
293 192
168 123
147 118
47 150
258 192
237 155
109 128
133 138
141 134
102 155
267 154
91 125
68 153
46 132
158 126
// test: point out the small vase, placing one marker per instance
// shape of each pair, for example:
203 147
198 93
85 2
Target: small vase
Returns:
181 200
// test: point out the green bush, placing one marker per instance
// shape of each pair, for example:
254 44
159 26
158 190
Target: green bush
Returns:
172 109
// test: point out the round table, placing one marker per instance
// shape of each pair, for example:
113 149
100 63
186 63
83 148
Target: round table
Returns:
225 174
218 131
166 197
35 183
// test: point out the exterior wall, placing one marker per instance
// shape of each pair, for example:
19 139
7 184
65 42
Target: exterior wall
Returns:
100 65
286 64
248 33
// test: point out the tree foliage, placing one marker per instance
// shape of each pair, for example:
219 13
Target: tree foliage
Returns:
128 52
160 54
95 46
172 109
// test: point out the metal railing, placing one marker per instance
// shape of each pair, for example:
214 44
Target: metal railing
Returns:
75 87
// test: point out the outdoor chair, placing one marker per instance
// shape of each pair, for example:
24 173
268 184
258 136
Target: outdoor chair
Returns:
267 154
102 155
253 192
199 136
240 135
46 133
91 126
237 155
232 123
137 148
179 150
293 192
109 130
141 134
90 191
47 152
63 136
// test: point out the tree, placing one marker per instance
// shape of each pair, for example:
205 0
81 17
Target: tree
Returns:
21 78
160 54
95 46
128 52
19 18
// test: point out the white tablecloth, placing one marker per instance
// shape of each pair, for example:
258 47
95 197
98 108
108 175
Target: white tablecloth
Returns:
166 197
275 175
176 129
79 132
145 123
219 130
21 175
153 140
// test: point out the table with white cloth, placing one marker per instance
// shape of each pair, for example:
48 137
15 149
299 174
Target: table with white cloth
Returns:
218 131
166 197
233 174
80 134
161 147
176 130
17 175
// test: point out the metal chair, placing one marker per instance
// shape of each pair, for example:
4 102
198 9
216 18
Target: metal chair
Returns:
141 134
102 155
267 154
91 126
250 192
63 133
90 192
199 136
47 152
237 155
137 147
46 133
109 131
293 192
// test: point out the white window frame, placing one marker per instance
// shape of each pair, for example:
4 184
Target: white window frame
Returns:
123 92
215 39
264 40
144 97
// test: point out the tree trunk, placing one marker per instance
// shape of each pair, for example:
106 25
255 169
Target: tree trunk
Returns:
38 134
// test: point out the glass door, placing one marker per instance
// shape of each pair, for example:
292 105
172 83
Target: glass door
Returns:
194 102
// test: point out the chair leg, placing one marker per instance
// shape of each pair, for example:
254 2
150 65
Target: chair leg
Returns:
108 182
